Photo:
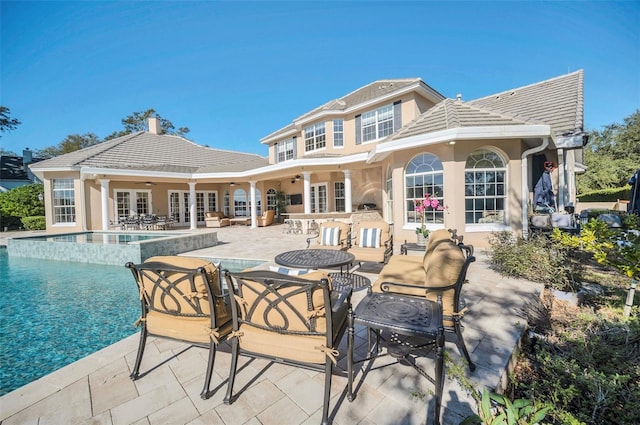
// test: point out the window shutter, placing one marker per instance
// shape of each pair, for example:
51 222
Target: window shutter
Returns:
295 147
275 149
397 116
358 129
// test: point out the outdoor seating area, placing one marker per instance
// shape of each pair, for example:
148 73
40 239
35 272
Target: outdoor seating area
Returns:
146 222
256 372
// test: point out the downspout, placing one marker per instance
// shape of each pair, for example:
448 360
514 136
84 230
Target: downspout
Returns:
525 186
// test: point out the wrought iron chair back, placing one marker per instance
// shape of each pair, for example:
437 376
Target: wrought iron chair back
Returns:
181 299
287 319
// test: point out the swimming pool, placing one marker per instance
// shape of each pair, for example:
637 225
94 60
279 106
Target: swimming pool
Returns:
57 312
114 248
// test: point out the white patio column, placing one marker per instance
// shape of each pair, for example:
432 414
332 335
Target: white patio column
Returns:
254 206
347 191
307 191
104 199
192 206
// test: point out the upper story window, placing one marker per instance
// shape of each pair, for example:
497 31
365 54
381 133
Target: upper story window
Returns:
64 201
378 123
285 150
314 137
338 133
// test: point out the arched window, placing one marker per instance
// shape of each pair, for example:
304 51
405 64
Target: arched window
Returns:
423 176
271 199
240 203
485 182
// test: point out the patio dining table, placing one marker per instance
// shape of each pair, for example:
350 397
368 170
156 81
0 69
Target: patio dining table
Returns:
326 259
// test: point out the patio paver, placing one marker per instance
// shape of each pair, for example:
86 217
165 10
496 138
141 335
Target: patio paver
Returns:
97 389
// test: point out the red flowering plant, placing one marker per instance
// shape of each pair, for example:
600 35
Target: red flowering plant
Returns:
422 206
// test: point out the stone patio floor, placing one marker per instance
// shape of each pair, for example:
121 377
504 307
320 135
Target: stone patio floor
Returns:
97 389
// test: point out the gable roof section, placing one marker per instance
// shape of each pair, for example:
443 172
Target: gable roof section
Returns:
450 114
369 93
153 152
558 102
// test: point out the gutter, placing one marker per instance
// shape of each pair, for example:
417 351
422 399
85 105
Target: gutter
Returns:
525 186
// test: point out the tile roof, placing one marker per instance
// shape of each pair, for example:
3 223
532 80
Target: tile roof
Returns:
558 102
153 152
452 113
12 168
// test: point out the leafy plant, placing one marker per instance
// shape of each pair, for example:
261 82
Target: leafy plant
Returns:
34 223
537 258
495 409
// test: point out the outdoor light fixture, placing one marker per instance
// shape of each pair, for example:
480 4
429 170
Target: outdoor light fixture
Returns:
232 184
296 178
148 184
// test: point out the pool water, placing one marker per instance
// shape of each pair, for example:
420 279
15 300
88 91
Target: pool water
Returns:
56 312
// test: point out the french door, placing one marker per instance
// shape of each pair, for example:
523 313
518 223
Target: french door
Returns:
319 198
179 205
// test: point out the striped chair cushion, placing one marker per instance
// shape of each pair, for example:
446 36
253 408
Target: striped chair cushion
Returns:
330 236
370 238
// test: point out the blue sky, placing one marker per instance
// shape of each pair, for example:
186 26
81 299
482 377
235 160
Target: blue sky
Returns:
234 72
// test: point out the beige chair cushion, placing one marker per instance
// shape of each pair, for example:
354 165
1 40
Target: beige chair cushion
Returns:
445 263
157 320
371 254
304 348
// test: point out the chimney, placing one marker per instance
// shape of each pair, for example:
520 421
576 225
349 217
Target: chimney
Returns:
154 125
27 158
459 97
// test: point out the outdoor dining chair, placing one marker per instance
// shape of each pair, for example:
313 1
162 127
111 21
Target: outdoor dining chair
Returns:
288 319
408 318
181 299
331 235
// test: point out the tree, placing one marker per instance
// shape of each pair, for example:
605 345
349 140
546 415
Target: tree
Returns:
71 143
612 155
22 201
138 122
6 122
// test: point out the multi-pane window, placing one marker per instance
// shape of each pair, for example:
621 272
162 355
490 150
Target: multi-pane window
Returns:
240 203
338 133
423 176
485 182
174 205
132 202
378 123
123 204
314 137
142 203
64 201
200 206
285 150
212 201
271 199
339 197
227 203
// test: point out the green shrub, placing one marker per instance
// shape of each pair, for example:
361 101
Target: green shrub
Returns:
538 259
606 195
34 223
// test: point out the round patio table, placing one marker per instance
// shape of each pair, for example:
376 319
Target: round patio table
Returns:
315 258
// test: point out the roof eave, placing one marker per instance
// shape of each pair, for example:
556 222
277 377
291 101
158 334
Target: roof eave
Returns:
383 150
